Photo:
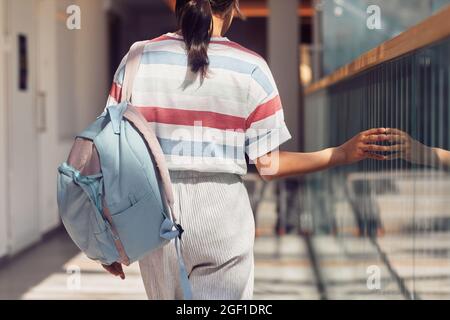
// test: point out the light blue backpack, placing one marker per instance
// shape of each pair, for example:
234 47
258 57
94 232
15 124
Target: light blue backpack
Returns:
114 192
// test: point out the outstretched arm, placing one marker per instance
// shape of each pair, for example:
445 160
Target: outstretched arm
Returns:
443 157
415 152
279 164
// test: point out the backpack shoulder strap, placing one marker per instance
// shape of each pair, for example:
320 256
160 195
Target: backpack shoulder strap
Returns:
132 115
136 118
131 68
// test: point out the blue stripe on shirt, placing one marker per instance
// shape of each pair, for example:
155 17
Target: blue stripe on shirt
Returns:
200 149
220 62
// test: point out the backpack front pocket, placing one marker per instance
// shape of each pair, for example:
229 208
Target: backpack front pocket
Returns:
139 227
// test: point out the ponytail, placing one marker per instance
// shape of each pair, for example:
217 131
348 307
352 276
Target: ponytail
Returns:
195 20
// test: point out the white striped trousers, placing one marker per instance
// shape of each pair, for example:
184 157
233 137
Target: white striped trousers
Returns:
217 245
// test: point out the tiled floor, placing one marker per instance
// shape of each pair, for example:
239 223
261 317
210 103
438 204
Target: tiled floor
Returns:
345 264
50 271
283 270
338 266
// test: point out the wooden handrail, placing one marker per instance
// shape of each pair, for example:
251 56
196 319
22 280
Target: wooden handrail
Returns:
431 30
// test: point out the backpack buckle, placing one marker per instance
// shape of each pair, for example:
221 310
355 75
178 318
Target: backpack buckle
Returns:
180 230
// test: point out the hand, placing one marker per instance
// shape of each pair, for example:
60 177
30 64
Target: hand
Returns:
362 146
115 269
410 150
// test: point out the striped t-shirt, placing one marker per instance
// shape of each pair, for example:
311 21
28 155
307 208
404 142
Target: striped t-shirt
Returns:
210 125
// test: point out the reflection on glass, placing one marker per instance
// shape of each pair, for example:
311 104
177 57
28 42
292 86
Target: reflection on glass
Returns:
344 25
416 152
386 221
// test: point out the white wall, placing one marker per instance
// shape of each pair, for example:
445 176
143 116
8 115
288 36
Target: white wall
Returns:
75 80
83 74
47 107
92 56
66 74
68 68
22 139
3 172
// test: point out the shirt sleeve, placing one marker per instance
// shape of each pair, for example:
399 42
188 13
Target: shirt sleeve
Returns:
115 94
266 129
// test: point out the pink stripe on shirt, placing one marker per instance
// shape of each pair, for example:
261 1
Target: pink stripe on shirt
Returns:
264 111
116 91
189 117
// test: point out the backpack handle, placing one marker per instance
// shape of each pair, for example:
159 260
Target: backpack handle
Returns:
131 69
116 114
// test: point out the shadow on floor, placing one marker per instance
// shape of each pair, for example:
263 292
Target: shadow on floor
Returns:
23 272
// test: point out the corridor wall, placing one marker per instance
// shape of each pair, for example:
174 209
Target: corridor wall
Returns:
68 83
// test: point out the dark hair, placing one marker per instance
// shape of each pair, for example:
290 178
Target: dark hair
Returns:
195 21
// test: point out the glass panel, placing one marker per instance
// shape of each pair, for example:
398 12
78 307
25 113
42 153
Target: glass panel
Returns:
345 31
382 229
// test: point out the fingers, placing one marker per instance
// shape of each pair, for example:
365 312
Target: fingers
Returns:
378 148
384 134
376 135
398 135
394 156
375 156
119 270
111 270
384 131
375 138
115 269
398 138
374 131
395 131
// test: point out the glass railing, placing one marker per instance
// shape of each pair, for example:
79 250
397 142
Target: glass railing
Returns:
382 229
